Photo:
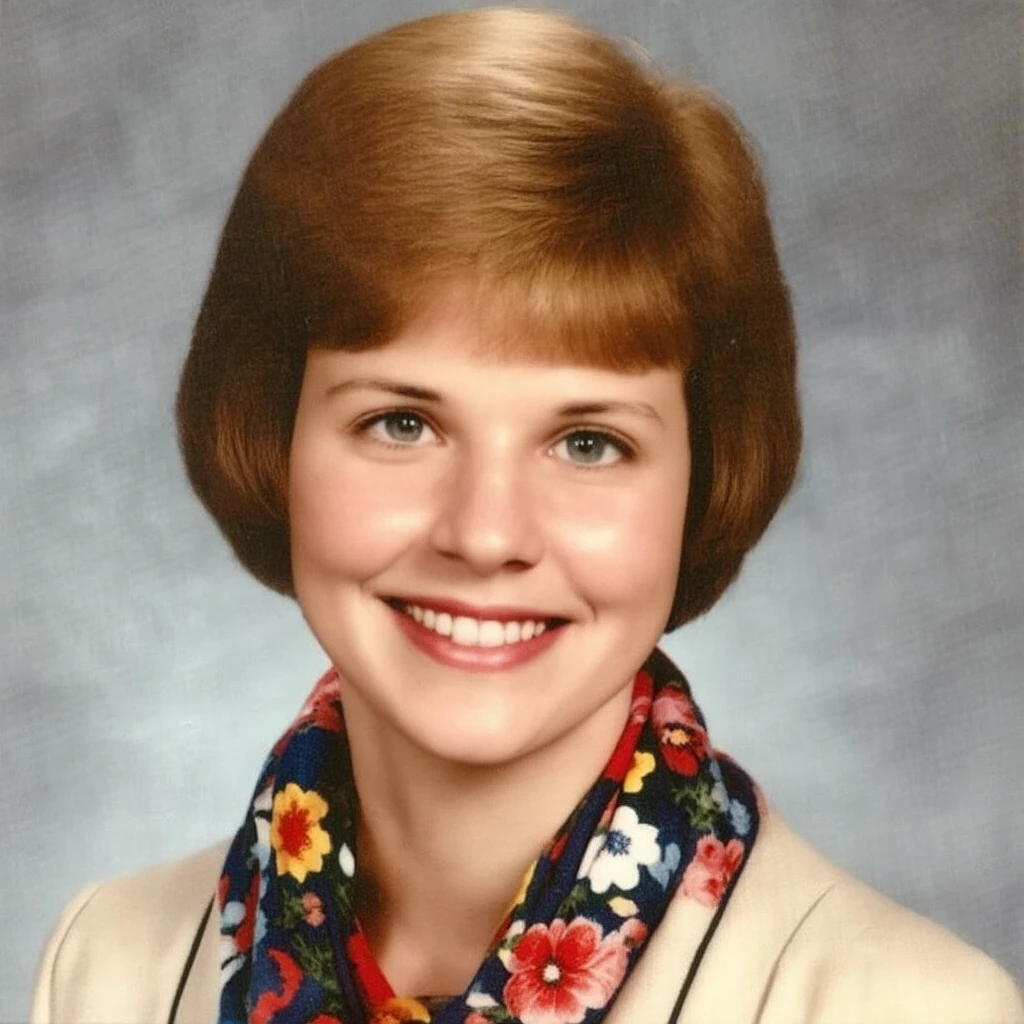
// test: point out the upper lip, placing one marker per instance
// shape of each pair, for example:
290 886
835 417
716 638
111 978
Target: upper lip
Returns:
485 613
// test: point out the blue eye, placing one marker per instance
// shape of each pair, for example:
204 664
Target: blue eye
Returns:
593 448
403 428
400 427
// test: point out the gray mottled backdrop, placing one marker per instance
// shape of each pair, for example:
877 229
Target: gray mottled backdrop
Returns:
867 667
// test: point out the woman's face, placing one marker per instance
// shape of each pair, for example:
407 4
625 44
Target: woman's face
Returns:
434 490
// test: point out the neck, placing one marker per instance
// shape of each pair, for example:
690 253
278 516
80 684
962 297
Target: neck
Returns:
443 847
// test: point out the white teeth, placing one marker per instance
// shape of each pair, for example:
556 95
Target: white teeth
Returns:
468 632
492 634
465 631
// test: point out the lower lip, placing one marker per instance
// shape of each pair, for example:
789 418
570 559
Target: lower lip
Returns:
474 659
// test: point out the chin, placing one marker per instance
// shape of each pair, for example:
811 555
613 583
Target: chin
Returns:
475 737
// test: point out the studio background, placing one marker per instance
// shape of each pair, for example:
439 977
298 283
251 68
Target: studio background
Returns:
867 665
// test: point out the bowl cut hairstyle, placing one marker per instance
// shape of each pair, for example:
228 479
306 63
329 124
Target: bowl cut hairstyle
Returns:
602 215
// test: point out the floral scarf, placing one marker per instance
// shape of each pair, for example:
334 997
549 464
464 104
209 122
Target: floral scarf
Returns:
668 818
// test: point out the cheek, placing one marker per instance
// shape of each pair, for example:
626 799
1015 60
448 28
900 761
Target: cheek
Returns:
625 550
348 518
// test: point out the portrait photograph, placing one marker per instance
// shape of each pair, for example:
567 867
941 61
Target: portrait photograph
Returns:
511 514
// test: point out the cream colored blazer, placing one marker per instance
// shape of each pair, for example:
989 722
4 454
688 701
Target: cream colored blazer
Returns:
800 942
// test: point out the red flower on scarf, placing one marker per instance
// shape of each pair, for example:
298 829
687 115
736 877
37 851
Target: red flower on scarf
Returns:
270 1002
707 875
622 757
558 847
322 710
562 970
643 694
374 985
683 740
244 928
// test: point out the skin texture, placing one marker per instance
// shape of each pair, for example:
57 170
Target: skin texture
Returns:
488 496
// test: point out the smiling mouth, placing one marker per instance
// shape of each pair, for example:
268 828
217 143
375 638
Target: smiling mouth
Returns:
466 631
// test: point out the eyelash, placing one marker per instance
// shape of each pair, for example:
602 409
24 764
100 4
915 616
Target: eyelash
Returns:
626 451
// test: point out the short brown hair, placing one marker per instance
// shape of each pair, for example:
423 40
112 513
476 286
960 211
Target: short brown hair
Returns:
619 219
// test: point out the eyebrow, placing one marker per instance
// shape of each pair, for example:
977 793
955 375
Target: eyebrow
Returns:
391 387
421 394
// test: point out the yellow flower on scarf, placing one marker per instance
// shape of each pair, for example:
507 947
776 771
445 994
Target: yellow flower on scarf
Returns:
643 765
398 1010
295 833
521 895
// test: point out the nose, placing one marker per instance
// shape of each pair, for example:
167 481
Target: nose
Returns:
487 515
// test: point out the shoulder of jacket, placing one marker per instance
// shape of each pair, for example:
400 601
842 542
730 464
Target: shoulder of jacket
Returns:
115 933
781 883
802 939
861 956
857 955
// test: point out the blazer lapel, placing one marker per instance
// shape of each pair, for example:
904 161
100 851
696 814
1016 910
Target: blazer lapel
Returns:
200 997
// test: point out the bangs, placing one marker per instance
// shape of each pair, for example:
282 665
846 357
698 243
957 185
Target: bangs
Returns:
627 319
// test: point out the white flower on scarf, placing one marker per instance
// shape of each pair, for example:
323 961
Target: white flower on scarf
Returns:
265 801
346 861
720 795
261 848
615 858
231 960
233 913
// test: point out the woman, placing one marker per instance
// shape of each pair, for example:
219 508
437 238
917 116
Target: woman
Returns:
495 374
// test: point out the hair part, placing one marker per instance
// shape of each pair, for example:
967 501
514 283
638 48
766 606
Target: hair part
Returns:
599 215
